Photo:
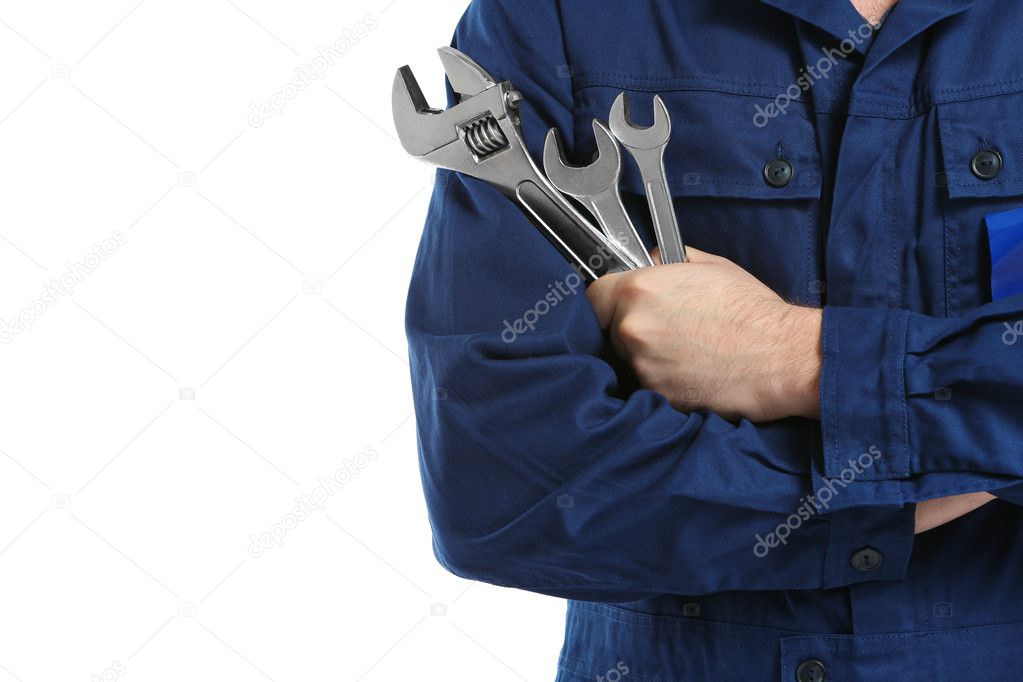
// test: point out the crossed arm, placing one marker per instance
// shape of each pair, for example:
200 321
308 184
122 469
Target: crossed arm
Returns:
545 471
709 335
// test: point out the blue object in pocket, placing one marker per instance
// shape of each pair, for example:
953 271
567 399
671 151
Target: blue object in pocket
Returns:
1005 233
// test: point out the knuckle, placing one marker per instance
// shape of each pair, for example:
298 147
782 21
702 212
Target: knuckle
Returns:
636 288
647 378
631 330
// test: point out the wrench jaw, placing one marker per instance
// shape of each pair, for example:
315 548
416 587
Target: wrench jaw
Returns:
467 77
579 181
648 146
637 137
480 137
608 151
419 127
596 187
483 125
423 130
575 181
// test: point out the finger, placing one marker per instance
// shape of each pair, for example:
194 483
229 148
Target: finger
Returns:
655 255
697 256
616 342
603 295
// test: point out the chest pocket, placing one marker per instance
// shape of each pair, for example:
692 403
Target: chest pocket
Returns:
745 187
982 162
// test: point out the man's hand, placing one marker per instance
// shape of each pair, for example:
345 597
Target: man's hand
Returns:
708 335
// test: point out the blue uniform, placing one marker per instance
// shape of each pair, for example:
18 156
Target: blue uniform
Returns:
847 168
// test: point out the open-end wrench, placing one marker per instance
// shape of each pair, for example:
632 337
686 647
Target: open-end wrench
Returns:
596 187
647 146
480 137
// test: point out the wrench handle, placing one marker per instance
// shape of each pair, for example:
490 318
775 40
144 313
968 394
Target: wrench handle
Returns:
662 210
578 242
607 208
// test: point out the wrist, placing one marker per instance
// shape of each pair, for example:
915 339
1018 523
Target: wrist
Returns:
801 361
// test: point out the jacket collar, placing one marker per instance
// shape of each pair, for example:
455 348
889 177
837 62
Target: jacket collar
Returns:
837 17
908 19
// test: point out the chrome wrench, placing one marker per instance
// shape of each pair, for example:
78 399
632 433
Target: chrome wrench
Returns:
596 187
481 137
648 146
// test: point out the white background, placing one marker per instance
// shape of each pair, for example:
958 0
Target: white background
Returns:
240 340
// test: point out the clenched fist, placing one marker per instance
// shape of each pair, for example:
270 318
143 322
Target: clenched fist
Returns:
708 335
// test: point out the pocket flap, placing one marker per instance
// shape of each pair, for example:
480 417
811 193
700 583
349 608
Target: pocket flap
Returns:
719 146
976 134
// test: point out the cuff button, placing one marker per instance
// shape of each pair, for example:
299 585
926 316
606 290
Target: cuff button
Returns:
811 671
987 164
866 559
778 173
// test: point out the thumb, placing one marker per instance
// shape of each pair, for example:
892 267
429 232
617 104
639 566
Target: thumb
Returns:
603 295
694 255
697 256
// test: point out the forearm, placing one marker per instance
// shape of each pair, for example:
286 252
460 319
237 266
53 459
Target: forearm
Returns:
542 472
934 513
938 396
803 354
738 350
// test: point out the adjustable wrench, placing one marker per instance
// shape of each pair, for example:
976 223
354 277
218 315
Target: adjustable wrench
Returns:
647 146
596 187
480 137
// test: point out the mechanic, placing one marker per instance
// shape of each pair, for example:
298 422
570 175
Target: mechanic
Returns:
800 455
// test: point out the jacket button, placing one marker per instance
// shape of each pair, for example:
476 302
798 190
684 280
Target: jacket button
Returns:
987 164
778 173
811 671
866 559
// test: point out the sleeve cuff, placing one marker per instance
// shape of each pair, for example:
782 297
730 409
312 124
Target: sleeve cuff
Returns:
869 544
864 416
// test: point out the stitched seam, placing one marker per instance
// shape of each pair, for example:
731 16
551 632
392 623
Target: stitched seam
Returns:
903 405
564 46
830 352
619 615
726 181
979 86
982 483
595 79
944 226
580 675
826 106
886 418
828 546
909 635
571 672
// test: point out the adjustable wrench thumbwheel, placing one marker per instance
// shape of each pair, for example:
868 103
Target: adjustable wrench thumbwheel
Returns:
596 187
647 146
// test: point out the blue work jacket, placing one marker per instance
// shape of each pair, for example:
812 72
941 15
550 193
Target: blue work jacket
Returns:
692 547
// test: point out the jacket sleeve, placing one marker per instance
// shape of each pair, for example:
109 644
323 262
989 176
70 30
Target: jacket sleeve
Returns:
543 470
941 398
